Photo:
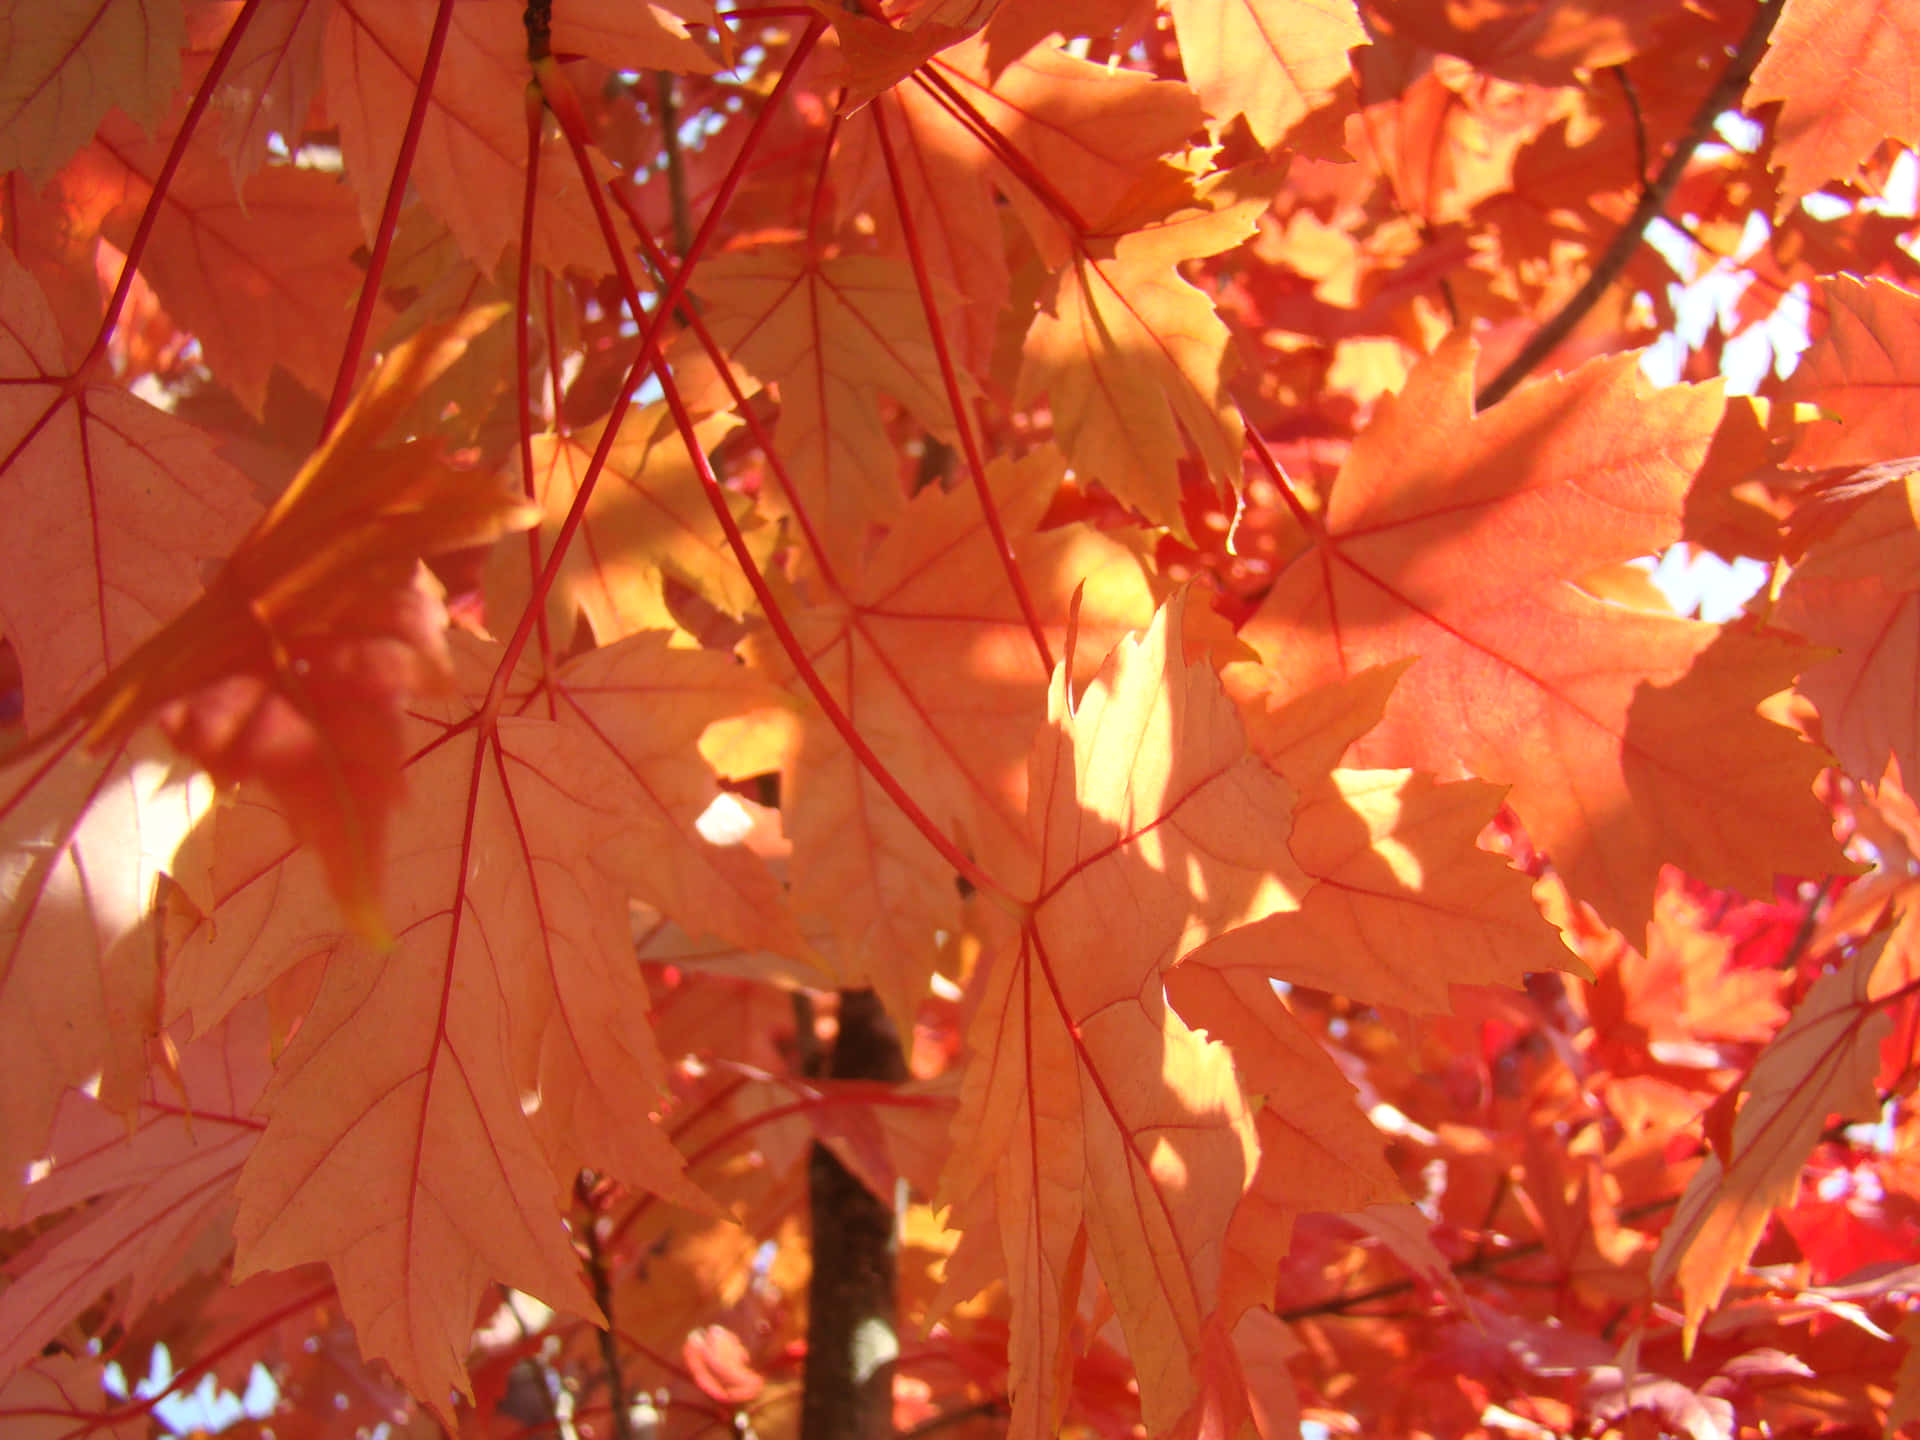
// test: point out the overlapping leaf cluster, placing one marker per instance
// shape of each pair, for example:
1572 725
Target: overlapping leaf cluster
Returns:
544 542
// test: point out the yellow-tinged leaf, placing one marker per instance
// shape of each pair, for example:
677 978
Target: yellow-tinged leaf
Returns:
648 519
1821 1063
1318 1150
931 658
1405 904
82 850
1093 1116
1130 356
1096 133
1276 61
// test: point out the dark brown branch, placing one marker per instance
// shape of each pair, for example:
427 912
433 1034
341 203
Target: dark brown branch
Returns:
1632 97
537 19
669 108
852 1327
1724 96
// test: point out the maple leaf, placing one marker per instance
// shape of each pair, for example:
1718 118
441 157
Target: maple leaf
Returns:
113 507
398 1149
473 138
1129 353
834 335
84 847
255 273
1854 590
271 81
161 1189
876 56
60 75
42 1401
1583 706
940 196
1838 70
292 665
1821 1062
420 1177
935 665
1275 61
1066 1142
1854 369
1093 136
646 520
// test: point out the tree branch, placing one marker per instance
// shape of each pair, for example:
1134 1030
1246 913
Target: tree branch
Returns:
596 1261
852 1328
1481 1262
1725 95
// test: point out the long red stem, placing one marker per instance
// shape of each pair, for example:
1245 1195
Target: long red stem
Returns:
163 182
969 445
1009 154
659 260
523 356
389 221
723 512
803 665
645 361
1283 482
149 217
91 1424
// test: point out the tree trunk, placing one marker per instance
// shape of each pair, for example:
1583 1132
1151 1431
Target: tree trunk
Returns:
852 1337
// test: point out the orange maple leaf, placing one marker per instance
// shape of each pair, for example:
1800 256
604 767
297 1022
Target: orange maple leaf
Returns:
291 667
1860 373
834 335
1822 1062
1130 354
1094 1119
473 143
1626 734
1858 591
255 273
1275 61
929 654
646 521
84 848
146 1198
112 508
60 75
1840 70
509 1023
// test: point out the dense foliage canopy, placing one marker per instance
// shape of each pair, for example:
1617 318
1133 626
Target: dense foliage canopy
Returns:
1033 615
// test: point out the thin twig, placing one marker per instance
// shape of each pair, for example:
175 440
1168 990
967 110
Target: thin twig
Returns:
1479 1263
1632 97
603 1297
1725 95
397 184
669 109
